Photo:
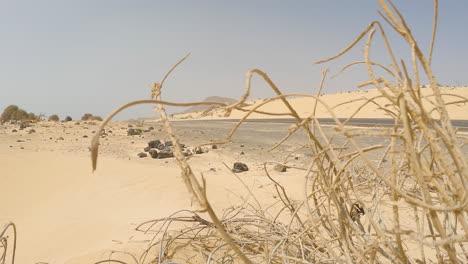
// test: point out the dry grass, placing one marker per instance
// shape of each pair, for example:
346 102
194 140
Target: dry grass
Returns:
422 173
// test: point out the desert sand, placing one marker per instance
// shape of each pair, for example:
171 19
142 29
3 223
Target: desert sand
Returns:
65 213
304 105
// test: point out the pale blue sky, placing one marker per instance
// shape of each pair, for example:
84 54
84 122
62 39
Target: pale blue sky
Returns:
72 57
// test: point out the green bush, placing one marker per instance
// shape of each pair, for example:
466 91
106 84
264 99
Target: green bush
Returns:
68 118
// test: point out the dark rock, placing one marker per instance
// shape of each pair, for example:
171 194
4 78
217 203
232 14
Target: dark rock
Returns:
154 143
242 153
168 143
23 126
153 153
130 126
147 149
165 153
280 168
242 146
31 131
19 140
142 155
134 132
60 138
14 130
146 130
161 147
214 147
239 167
22 148
151 128
109 131
85 136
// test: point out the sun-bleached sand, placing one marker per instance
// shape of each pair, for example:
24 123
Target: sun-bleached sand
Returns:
341 109
65 213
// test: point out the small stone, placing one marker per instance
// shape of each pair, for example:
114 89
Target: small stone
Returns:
19 140
168 143
154 143
242 146
187 152
31 131
85 136
161 147
153 153
242 153
14 130
214 147
198 150
147 149
60 138
22 148
142 155
134 132
165 153
239 167
280 168
151 128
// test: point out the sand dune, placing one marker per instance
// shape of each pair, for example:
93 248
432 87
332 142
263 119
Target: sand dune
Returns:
304 106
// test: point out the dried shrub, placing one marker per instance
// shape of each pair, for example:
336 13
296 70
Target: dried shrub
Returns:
13 112
339 220
54 118
68 119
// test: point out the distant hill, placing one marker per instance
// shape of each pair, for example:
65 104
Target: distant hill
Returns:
199 108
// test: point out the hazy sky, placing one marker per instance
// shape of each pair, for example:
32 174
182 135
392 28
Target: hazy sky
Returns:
72 57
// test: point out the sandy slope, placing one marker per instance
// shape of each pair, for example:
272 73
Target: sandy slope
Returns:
304 105
67 214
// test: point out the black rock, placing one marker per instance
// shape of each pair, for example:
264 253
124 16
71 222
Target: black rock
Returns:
239 167
168 143
153 153
154 143
214 147
31 131
85 136
142 155
161 147
147 149
165 153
